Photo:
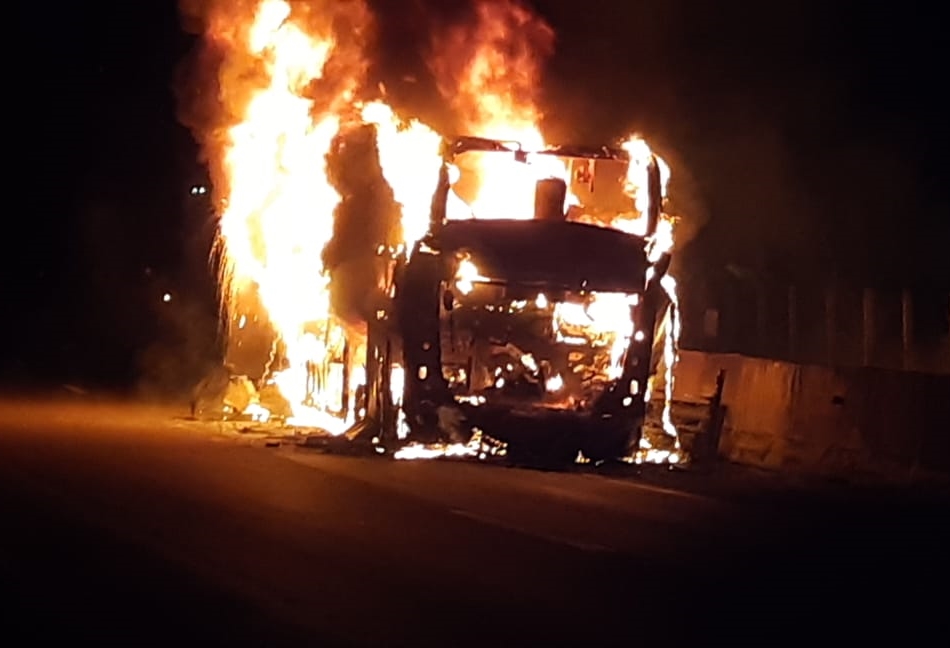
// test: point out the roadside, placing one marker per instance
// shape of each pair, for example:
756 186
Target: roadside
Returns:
722 480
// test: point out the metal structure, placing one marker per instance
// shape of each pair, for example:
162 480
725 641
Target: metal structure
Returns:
490 326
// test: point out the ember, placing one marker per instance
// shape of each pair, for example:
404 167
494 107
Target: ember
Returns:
289 81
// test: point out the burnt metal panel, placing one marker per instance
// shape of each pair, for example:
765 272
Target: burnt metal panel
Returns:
570 255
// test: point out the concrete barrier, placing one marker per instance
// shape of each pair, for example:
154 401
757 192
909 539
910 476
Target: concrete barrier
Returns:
819 419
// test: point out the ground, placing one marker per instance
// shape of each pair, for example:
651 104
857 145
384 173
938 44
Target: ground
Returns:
129 523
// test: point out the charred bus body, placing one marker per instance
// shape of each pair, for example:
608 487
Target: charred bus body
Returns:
538 333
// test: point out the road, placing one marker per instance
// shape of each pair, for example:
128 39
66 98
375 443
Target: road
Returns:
124 523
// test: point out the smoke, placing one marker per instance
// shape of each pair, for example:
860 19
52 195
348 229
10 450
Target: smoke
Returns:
312 50
486 61
487 65
366 217
185 336
214 85
184 350
351 26
206 103
685 201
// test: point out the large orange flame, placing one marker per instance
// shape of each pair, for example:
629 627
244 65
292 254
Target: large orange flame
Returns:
288 73
410 159
489 71
288 77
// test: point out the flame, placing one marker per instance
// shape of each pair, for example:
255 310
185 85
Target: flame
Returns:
670 355
288 79
662 240
489 71
554 383
480 446
410 159
435 451
466 275
636 187
637 180
285 79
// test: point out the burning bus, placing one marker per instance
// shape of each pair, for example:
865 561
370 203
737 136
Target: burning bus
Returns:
536 332
522 303
533 308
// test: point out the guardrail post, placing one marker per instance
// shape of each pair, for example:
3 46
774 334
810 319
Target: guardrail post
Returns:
907 329
792 324
714 423
868 311
831 325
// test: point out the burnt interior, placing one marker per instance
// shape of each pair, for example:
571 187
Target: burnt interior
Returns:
528 317
534 328
526 348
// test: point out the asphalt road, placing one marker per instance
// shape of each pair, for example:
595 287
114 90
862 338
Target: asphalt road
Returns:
125 524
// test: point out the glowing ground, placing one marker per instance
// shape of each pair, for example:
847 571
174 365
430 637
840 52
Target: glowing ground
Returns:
129 523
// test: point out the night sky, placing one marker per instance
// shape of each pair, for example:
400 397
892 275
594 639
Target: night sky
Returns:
807 140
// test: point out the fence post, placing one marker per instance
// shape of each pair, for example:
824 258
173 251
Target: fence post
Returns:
345 395
715 422
830 324
946 342
907 329
868 311
761 318
792 324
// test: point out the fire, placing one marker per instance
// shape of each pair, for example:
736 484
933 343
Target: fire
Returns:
466 275
670 357
285 81
479 446
641 156
288 81
410 159
489 71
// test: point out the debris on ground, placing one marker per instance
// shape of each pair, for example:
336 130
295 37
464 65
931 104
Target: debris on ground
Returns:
274 402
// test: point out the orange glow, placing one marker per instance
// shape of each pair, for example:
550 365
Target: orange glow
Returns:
489 71
409 156
275 201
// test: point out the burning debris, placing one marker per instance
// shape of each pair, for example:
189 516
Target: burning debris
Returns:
456 297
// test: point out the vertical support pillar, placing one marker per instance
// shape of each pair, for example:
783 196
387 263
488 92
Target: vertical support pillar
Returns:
907 330
792 324
831 325
869 332
946 340
761 319
345 390
387 416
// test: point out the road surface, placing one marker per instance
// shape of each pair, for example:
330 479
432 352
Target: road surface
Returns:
128 524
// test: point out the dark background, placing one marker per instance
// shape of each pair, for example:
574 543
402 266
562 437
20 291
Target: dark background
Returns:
807 141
